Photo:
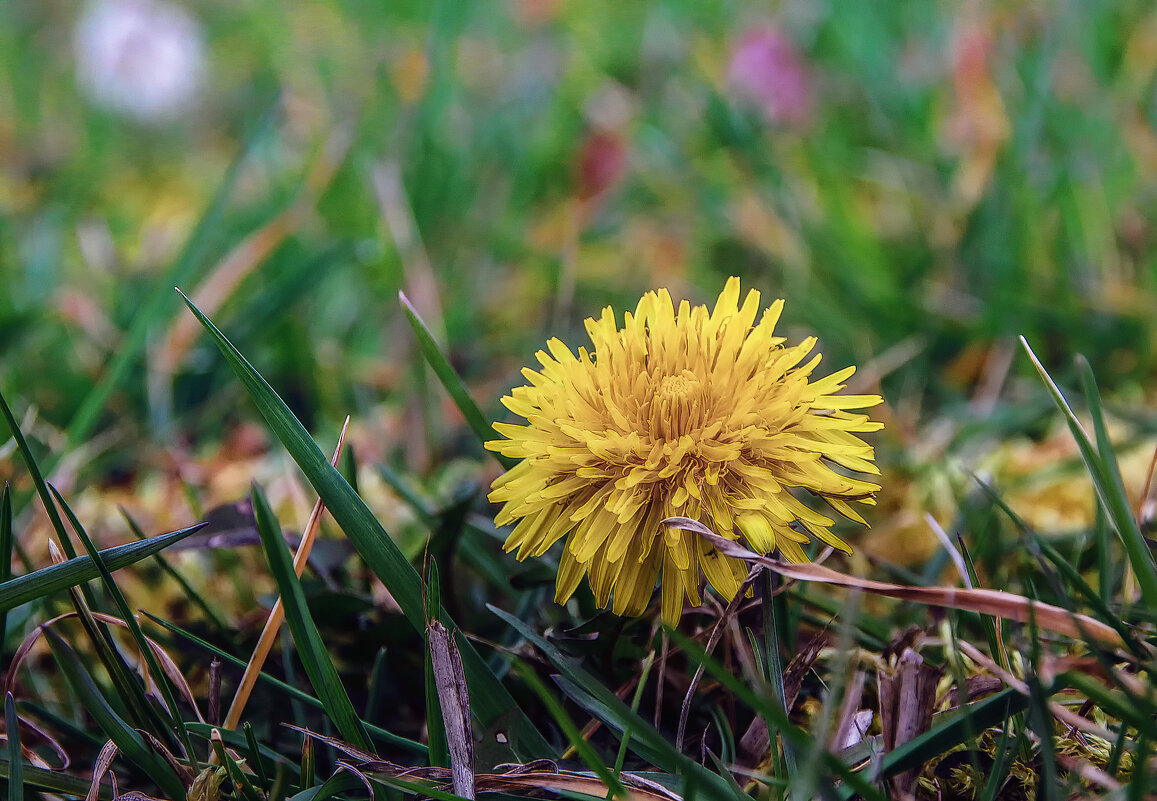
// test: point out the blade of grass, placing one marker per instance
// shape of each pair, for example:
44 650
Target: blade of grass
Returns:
130 743
52 780
1106 478
645 740
310 647
373 543
277 613
240 781
239 742
255 758
767 707
53 578
122 605
15 755
5 555
298 695
452 382
1070 573
39 483
570 731
963 725
1120 509
995 643
637 698
188 591
785 763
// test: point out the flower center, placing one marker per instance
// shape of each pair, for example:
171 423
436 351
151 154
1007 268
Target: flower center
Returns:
678 407
678 387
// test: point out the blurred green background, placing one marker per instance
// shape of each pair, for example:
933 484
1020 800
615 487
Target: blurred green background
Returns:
921 181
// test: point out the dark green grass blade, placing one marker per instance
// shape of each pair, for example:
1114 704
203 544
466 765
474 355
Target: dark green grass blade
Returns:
297 695
1067 571
1005 753
995 645
1106 478
131 744
38 482
452 382
126 613
5 554
239 742
254 750
310 647
1041 721
785 762
974 717
645 740
52 780
240 780
187 590
156 305
15 756
491 701
1118 507
767 707
570 730
54 578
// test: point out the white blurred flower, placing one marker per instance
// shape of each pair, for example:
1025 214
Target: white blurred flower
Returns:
141 58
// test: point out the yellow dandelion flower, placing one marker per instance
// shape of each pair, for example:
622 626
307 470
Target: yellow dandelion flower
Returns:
706 415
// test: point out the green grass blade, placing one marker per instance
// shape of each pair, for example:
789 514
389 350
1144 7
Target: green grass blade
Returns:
571 731
52 780
38 481
15 755
645 740
377 732
126 613
130 743
54 578
988 622
492 702
239 741
1067 571
254 758
1118 507
785 762
962 726
310 647
767 707
5 554
452 382
188 590
1110 492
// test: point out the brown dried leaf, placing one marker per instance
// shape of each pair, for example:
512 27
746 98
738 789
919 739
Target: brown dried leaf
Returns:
450 681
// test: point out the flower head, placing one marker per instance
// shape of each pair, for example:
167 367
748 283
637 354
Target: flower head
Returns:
685 412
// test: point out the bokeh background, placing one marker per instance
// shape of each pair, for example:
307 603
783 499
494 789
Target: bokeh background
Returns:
921 181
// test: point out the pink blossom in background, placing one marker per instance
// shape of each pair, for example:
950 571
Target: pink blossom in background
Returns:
141 58
766 70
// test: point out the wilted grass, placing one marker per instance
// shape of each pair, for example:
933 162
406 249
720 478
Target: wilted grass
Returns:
950 179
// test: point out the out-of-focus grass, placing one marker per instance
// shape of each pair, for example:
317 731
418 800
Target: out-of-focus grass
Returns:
961 176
